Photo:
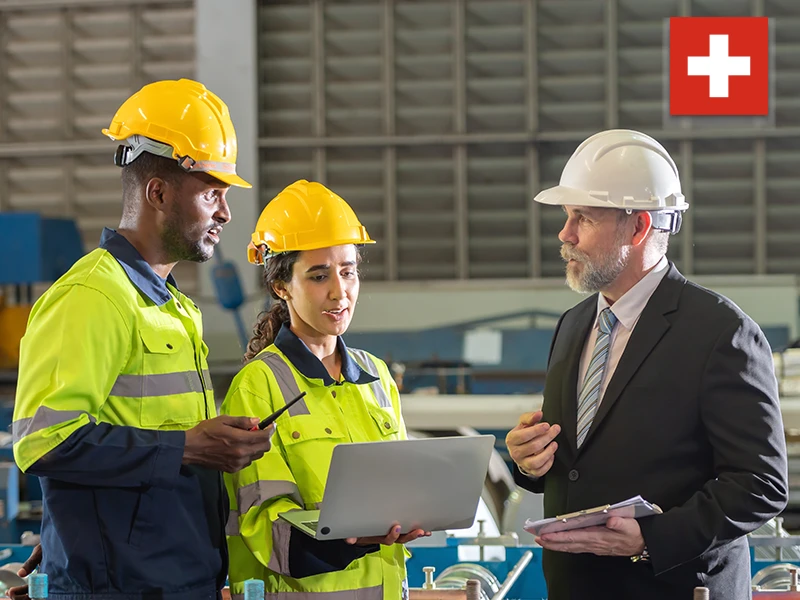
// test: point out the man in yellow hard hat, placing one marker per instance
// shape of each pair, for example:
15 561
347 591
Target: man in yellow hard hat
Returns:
114 409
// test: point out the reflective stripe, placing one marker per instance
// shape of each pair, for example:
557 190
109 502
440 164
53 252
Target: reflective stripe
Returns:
363 359
371 593
286 383
42 419
162 384
281 538
255 494
232 525
207 380
190 164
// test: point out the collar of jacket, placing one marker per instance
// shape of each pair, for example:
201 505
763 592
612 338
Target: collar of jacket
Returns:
311 367
137 268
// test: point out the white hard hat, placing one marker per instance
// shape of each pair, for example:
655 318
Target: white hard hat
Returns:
624 169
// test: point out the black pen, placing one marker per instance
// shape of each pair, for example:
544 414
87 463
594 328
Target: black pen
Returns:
271 419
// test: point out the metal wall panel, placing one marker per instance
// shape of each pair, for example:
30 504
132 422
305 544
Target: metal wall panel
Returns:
440 119
65 67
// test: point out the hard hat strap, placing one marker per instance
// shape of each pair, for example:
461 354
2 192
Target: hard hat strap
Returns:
664 220
667 221
187 163
137 144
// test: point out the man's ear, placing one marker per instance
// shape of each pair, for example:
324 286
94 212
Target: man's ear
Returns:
157 193
643 224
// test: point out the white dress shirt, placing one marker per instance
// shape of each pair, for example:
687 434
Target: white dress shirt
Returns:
627 309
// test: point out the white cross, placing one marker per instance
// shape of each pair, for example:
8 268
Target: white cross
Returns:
718 66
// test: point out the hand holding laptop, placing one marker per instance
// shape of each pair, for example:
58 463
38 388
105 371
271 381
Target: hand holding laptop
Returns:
393 537
417 485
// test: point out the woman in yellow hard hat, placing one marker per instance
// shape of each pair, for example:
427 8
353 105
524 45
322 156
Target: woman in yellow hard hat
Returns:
308 240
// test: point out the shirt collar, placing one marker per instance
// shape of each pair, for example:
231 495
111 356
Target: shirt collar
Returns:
629 307
137 268
311 367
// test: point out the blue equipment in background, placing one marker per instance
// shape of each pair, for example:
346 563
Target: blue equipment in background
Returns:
229 292
37 249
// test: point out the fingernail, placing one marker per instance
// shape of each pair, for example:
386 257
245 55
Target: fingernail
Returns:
397 529
546 426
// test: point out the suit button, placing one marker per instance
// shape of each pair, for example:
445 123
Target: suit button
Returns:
333 394
296 434
328 430
573 475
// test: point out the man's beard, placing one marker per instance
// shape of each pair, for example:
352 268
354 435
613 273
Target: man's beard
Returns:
180 245
598 274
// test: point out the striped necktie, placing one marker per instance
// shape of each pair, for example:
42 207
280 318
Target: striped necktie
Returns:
590 390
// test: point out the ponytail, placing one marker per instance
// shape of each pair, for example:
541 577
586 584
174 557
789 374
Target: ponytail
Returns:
267 327
276 269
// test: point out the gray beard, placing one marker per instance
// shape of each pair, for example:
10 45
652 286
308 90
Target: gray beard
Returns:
595 276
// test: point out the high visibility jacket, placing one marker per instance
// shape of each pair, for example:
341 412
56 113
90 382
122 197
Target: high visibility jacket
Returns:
112 371
363 407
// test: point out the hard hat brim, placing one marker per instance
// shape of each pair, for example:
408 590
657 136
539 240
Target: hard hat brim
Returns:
231 179
113 136
561 195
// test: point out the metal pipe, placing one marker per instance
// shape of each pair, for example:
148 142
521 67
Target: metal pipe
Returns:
760 205
612 60
50 4
513 575
389 152
473 589
575 136
416 594
700 593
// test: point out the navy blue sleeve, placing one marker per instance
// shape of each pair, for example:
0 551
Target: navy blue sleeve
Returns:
103 455
308 556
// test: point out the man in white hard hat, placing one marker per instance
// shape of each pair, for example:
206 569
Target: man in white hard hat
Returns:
655 387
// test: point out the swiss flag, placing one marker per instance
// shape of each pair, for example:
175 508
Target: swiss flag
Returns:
719 65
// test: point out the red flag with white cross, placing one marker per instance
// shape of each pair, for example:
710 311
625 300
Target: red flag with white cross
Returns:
719 65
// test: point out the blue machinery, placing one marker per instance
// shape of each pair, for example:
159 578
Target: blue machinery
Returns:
520 575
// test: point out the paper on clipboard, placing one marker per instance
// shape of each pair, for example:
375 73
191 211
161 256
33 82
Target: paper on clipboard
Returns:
636 508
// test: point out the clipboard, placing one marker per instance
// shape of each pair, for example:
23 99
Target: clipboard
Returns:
632 508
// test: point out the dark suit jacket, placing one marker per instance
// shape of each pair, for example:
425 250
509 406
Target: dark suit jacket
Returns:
691 421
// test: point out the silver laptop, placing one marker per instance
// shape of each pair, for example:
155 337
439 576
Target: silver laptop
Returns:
431 484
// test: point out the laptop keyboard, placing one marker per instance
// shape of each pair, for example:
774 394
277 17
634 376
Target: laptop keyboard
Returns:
312 525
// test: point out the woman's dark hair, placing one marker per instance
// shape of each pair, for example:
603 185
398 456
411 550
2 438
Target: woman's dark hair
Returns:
277 269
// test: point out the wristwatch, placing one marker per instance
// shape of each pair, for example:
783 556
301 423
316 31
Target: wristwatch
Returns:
644 556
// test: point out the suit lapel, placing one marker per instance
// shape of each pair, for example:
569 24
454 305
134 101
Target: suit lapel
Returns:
585 314
651 327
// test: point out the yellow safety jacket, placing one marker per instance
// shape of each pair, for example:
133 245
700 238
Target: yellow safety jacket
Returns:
363 407
112 371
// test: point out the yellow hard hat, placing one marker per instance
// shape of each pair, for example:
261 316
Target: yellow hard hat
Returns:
182 120
305 216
